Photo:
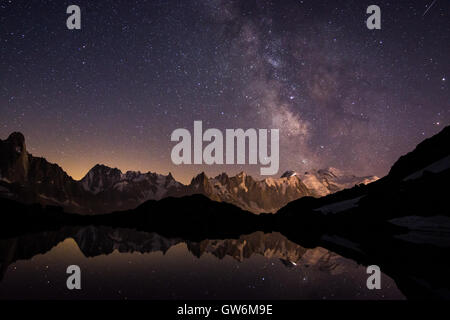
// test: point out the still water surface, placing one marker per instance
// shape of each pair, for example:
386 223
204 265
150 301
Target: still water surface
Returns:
127 264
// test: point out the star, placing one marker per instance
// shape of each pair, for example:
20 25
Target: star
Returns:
337 102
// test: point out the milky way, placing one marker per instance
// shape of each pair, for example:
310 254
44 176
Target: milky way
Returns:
112 92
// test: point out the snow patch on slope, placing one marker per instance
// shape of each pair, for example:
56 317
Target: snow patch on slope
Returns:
339 206
435 167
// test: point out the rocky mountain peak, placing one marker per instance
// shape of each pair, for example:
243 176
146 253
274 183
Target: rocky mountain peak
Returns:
100 177
201 178
242 177
201 184
14 162
223 178
288 174
103 169
17 141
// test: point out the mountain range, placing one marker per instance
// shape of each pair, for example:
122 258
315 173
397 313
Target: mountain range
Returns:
400 222
31 179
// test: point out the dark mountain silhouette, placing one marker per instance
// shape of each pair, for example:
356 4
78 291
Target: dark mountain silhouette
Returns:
415 178
428 152
401 222
30 179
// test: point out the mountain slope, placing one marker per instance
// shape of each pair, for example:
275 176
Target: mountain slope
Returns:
432 151
242 190
393 221
115 190
33 179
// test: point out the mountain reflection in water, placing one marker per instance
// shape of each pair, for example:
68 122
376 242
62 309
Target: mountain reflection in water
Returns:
128 264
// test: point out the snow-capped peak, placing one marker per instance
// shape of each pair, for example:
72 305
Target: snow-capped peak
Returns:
329 180
288 174
101 178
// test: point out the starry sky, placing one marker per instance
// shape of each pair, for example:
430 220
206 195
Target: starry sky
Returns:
112 93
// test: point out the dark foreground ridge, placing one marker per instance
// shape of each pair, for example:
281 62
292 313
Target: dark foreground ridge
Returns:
400 222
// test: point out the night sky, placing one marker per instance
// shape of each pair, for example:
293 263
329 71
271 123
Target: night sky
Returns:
113 92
